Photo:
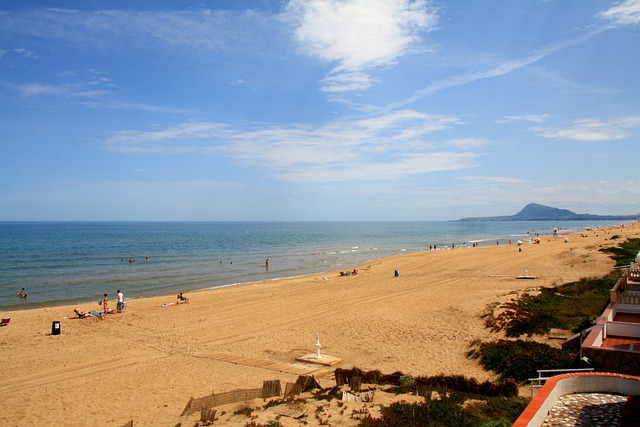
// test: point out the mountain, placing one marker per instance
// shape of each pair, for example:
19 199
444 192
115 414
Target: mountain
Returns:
536 212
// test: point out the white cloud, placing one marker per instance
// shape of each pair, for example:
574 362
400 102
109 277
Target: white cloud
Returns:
497 70
382 148
468 142
168 140
358 35
96 91
40 89
534 118
94 84
625 13
493 179
26 53
199 31
347 82
592 130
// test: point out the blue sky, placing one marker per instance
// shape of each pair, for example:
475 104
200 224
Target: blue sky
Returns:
317 109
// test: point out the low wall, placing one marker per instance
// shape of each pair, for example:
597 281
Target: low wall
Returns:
623 362
620 286
595 337
538 409
622 329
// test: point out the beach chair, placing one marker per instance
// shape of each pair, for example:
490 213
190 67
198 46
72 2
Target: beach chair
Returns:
5 321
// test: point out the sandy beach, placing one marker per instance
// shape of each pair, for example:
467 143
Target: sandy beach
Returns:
145 363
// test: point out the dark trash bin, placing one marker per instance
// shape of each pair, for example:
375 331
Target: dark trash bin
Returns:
55 327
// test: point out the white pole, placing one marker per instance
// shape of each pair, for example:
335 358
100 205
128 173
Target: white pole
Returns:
318 356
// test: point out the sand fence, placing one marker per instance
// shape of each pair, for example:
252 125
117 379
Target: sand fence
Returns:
270 388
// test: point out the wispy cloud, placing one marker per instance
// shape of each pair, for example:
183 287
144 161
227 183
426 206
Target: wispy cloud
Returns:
198 31
622 14
388 147
592 130
626 13
358 35
499 69
93 83
95 91
533 118
493 179
25 53
67 90
469 143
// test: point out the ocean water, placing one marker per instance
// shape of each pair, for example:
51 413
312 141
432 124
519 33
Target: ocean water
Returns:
61 263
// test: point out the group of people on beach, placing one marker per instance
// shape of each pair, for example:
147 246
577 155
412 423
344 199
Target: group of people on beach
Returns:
119 304
104 302
180 299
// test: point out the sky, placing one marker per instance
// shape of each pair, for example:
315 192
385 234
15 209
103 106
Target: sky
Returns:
317 110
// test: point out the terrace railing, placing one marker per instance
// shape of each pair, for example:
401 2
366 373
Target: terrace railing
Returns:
627 289
543 376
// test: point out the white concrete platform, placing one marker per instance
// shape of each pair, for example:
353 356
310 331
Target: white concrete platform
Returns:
325 360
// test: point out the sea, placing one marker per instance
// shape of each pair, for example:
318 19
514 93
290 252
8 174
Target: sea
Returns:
68 263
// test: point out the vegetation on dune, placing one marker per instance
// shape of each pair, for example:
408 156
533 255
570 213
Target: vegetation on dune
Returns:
625 252
519 360
460 383
452 409
461 401
572 306
562 307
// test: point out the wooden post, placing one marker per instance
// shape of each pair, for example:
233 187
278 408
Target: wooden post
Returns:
208 415
271 388
355 383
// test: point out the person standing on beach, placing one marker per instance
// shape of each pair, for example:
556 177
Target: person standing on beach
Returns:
120 303
105 303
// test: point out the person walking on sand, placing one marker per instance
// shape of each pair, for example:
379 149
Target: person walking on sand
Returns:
105 303
120 303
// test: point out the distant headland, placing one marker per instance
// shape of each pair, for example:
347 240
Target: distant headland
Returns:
536 212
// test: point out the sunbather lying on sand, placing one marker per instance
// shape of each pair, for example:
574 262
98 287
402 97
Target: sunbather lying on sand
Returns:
82 314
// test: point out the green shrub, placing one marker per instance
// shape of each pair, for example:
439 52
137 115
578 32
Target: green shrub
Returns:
527 315
445 412
498 411
502 422
625 252
519 360
449 412
469 385
563 307
406 384
585 323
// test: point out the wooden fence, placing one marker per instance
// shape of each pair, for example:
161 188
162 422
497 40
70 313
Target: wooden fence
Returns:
269 389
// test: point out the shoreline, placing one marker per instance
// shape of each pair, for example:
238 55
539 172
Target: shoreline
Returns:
506 239
145 363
